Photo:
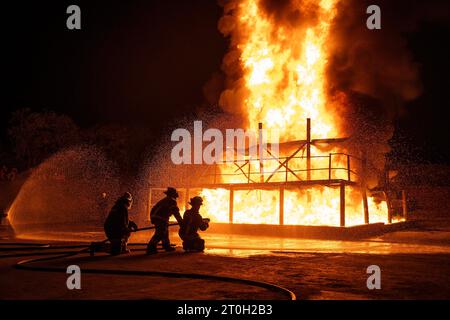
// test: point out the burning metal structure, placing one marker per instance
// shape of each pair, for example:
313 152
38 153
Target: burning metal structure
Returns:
297 188
276 78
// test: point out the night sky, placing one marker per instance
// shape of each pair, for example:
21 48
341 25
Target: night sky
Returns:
145 63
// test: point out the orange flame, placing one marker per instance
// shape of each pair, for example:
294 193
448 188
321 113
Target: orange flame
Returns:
284 82
284 71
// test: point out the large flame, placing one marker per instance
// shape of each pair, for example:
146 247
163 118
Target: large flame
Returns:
284 81
262 207
284 70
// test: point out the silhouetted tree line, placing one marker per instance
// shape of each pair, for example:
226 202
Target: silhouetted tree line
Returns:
35 136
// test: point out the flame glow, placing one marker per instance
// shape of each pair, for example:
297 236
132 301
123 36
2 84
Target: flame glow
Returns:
284 71
285 82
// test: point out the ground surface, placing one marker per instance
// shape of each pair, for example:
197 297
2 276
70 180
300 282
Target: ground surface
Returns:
415 264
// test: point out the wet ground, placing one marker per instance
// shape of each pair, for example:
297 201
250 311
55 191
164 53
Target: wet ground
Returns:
415 264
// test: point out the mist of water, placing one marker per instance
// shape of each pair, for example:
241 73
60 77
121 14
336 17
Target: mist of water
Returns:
71 190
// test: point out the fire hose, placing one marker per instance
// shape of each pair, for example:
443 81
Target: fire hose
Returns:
27 265
96 246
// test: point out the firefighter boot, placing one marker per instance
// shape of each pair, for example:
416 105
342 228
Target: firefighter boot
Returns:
151 249
125 247
199 245
169 249
116 247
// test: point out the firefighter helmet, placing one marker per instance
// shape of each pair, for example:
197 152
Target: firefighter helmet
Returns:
127 196
171 192
196 200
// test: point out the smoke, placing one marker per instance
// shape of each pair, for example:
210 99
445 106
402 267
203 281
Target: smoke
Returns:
234 92
374 63
299 14
375 70
371 74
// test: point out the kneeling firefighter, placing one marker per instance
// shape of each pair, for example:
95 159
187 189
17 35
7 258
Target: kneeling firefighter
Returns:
192 221
118 227
159 216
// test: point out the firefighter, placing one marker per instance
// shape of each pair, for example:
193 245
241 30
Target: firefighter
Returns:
159 216
118 226
192 221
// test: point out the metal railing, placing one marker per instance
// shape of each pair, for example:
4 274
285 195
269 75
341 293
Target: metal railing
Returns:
332 166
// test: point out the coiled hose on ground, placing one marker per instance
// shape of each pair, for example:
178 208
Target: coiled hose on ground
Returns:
41 249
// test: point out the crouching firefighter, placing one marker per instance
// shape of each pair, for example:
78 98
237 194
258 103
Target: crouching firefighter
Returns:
192 221
159 216
117 225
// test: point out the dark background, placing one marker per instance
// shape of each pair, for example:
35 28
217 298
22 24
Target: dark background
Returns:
144 64
132 62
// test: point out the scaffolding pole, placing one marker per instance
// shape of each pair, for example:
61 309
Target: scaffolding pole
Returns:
364 188
342 204
231 206
261 151
389 206
308 157
365 204
281 206
308 149
404 205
